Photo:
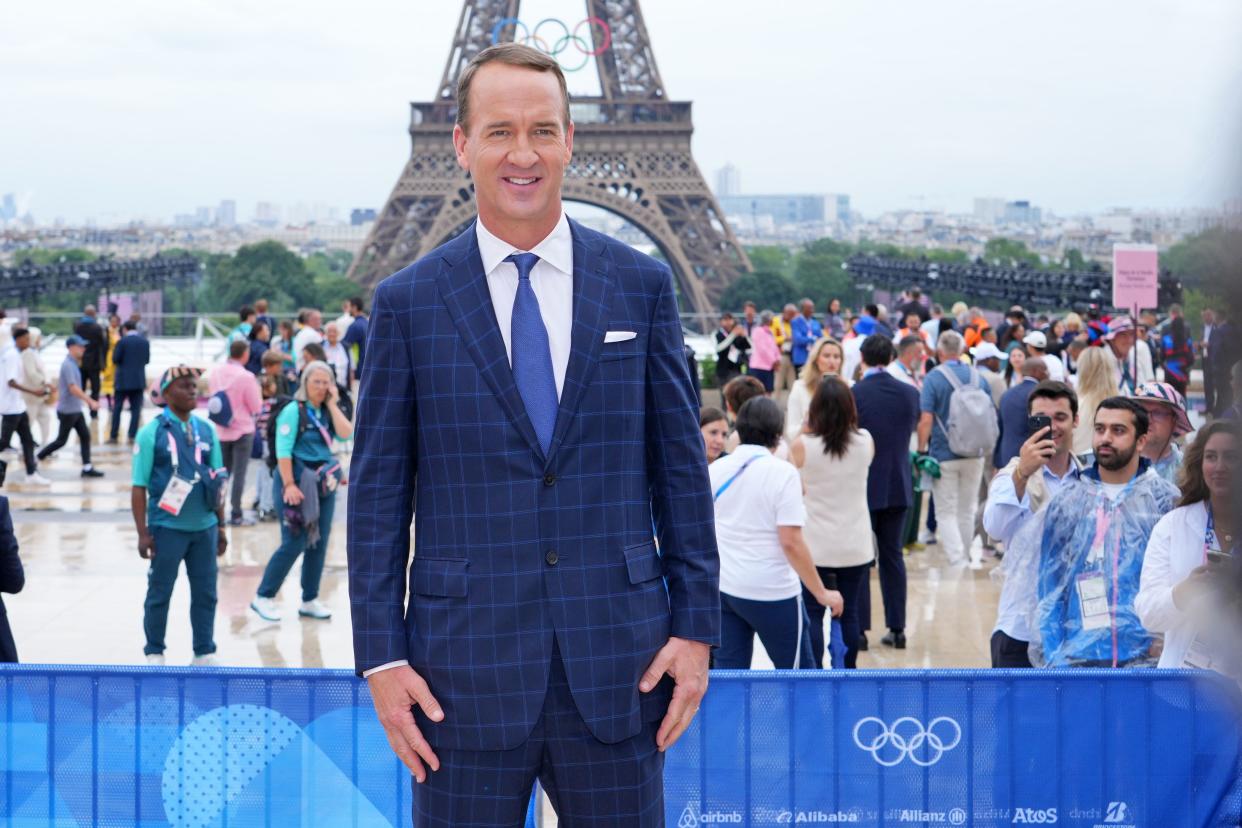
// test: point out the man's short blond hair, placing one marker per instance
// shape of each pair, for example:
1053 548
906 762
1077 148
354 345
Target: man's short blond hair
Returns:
510 54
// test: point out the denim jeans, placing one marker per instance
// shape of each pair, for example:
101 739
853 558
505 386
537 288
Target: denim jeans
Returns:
293 544
198 550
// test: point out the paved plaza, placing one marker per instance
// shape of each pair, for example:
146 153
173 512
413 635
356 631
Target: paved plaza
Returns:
85 586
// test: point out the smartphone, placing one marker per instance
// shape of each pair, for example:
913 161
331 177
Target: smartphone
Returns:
1037 423
1218 558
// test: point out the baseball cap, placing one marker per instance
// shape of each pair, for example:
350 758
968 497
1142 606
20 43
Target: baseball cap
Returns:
986 350
1036 339
74 339
1165 394
1119 325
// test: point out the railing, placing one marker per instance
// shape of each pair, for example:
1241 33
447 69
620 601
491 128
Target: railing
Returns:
233 747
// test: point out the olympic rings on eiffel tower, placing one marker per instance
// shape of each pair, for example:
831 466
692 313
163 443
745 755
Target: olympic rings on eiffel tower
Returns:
598 32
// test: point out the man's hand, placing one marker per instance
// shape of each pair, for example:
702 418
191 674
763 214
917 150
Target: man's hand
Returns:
686 662
146 545
832 600
93 405
222 542
1036 452
394 691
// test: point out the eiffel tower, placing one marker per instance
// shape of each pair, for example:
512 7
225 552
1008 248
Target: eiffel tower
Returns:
631 155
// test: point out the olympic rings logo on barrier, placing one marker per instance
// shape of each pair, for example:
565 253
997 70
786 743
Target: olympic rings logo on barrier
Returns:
593 43
909 744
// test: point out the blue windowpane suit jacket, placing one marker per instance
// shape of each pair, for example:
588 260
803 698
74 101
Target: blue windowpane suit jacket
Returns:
512 548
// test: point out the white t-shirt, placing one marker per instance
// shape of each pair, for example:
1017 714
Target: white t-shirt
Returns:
11 401
303 338
1056 368
768 494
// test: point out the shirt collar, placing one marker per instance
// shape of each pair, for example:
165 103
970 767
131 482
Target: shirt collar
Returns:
557 249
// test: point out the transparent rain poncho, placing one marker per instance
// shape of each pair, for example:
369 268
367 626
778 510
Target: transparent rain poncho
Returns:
1077 565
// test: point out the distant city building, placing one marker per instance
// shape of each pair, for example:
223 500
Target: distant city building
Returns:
267 214
1021 212
989 210
781 209
728 181
8 210
837 208
202 217
361 215
226 213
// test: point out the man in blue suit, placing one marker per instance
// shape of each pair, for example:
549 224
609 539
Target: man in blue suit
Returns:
889 409
130 356
806 332
527 397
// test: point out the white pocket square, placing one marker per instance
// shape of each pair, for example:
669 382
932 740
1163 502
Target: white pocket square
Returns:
619 336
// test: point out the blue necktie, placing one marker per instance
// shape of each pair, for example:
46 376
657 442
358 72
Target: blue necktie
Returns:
532 356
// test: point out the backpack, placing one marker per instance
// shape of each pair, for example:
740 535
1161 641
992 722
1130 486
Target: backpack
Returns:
219 409
973 428
269 433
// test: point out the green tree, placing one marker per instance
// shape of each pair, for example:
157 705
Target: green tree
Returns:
771 259
767 290
331 284
1009 253
266 269
819 275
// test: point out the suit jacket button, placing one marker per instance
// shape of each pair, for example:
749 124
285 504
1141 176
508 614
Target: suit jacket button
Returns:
551 557
549 479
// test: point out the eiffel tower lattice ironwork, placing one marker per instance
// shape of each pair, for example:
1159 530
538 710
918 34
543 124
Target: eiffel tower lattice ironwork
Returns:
631 157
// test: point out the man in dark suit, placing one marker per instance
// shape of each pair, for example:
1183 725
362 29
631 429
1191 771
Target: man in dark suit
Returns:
12 577
526 388
1013 413
88 328
130 356
889 409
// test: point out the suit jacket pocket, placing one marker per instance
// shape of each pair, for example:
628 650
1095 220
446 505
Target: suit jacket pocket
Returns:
635 347
642 562
444 577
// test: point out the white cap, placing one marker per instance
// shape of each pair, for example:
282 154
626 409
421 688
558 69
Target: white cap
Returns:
1036 339
986 350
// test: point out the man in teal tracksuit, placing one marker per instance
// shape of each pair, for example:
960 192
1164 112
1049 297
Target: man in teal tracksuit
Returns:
178 475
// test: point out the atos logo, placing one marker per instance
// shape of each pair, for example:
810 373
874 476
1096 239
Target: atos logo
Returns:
1034 816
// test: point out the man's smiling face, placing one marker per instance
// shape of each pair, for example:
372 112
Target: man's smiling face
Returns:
516 146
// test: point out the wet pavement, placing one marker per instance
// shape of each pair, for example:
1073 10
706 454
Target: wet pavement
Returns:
85 586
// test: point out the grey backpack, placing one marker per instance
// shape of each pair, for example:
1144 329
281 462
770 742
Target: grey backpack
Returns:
972 428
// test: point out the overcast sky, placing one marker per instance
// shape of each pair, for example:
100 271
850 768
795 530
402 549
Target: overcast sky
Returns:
140 108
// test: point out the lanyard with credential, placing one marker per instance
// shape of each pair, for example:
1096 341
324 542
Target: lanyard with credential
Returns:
323 431
1211 543
172 442
735 476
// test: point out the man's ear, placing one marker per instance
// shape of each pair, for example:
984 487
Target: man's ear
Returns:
459 145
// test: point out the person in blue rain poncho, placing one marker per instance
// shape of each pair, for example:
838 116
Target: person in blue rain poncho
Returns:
1085 551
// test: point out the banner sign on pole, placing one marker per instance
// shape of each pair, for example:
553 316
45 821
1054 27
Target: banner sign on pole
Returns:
1136 275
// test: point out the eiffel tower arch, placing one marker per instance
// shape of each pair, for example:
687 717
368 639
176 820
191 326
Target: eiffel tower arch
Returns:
631 157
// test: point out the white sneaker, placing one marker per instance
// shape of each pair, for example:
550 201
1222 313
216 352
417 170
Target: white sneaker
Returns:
314 609
266 608
38 479
155 659
208 660
926 538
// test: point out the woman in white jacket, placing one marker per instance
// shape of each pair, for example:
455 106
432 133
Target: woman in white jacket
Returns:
1176 594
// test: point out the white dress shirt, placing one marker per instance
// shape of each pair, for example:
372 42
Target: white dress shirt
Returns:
1003 516
552 279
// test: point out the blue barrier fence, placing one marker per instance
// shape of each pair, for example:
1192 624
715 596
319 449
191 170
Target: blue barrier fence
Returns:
154 747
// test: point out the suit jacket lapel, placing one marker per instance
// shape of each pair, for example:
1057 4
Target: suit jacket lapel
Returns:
593 290
463 286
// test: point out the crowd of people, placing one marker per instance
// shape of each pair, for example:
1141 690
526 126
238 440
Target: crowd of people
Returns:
281 397
1062 446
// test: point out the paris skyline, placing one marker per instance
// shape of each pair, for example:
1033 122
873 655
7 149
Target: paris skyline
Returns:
136 112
